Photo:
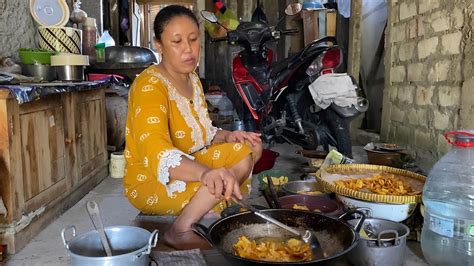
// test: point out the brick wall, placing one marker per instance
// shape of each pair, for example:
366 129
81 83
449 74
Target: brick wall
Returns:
16 27
428 64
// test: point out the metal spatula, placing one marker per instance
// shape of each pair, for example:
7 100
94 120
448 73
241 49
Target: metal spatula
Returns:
307 237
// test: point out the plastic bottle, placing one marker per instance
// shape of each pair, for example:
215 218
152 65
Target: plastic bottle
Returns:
107 39
89 38
448 231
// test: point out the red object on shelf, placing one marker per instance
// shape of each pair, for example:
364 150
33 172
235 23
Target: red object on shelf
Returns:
266 162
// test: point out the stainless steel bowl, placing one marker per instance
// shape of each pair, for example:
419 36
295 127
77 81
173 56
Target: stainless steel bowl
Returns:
44 72
129 54
70 73
303 187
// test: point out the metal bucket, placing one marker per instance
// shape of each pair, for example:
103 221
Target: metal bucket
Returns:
385 243
130 246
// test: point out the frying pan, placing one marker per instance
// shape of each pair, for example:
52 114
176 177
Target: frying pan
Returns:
335 235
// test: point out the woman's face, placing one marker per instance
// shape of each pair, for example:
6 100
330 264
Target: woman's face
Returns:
180 45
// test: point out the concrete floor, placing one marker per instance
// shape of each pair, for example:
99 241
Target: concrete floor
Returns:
47 247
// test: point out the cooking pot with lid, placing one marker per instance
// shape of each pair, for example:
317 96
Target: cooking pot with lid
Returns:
384 243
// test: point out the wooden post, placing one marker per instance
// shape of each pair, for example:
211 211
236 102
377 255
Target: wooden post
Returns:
353 64
201 5
355 34
331 22
310 25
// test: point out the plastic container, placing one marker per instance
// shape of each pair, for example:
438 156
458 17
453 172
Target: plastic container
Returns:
117 165
89 38
107 39
100 52
221 102
448 231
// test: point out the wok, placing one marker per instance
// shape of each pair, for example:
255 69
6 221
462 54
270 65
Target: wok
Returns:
336 236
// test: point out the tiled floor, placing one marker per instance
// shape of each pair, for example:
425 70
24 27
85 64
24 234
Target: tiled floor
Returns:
47 247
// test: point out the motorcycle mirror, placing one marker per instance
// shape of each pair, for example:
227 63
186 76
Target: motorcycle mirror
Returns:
209 16
293 9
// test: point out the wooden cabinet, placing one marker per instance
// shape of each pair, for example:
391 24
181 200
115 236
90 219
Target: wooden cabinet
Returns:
52 152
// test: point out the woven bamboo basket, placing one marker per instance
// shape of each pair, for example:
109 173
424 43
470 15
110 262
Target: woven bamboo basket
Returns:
415 180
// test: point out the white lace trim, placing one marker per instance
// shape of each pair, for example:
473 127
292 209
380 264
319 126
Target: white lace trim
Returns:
171 158
202 112
185 110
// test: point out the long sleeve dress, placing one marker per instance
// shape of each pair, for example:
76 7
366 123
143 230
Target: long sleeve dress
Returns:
162 127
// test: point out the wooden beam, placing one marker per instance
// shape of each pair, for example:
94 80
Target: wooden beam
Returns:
355 34
353 56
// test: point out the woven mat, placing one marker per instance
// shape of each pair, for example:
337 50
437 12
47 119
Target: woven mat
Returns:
191 257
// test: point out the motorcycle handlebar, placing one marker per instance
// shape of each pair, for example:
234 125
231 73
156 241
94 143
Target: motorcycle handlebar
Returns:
219 39
289 31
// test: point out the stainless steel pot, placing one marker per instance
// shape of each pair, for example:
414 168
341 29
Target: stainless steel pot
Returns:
385 243
70 73
45 72
130 246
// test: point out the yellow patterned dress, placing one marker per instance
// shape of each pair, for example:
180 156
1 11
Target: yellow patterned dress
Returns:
163 126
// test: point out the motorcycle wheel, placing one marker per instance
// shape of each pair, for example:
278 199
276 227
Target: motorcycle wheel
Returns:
338 126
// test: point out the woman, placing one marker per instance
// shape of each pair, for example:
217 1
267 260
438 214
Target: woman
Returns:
177 162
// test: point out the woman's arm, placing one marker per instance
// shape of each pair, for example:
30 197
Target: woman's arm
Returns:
237 136
219 181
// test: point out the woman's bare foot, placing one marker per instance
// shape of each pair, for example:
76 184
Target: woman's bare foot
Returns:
185 240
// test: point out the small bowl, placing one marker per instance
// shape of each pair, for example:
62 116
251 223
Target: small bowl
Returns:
322 203
382 157
393 212
302 187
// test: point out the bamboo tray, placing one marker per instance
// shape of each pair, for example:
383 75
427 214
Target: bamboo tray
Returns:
416 181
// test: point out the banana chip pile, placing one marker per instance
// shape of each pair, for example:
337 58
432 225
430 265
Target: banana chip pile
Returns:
277 180
290 251
383 184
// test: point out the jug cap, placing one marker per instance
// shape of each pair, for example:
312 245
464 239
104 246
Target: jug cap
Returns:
460 138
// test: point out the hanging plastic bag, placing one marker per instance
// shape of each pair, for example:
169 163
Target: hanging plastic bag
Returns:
107 39
225 17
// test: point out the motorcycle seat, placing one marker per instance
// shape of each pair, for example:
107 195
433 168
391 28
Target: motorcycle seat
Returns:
279 66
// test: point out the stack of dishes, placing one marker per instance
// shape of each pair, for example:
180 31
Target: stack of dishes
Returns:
70 67
37 63
63 43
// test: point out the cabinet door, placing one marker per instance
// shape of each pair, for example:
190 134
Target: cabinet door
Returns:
42 153
90 131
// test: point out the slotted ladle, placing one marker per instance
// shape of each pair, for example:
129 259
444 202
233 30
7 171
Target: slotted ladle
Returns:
307 237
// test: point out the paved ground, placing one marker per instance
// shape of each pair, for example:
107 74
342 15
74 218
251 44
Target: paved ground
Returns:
47 247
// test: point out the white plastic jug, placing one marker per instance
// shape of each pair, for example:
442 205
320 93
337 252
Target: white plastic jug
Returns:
448 196
107 39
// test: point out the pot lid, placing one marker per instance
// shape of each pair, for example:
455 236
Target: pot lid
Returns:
49 12
69 60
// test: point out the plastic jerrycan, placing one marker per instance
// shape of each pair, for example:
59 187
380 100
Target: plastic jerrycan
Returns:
448 196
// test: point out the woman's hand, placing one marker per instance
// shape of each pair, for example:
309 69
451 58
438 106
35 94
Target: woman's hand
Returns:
242 136
221 182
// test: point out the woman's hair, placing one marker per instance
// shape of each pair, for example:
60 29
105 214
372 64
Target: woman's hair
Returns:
167 14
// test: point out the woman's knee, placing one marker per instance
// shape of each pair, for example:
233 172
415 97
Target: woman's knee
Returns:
243 169
257 151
